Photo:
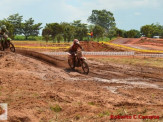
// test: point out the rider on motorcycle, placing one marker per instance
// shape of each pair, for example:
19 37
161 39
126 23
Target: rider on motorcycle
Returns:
3 33
73 49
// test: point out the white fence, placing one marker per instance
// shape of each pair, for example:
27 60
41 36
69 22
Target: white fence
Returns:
107 54
150 55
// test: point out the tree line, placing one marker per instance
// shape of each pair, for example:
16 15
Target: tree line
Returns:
102 25
16 26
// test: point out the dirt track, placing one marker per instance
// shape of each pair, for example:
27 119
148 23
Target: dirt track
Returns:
141 43
34 85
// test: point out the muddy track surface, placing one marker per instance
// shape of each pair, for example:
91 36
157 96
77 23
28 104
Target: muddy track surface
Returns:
38 87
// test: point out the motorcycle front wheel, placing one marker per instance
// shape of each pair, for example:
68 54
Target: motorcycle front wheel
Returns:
12 47
85 67
71 63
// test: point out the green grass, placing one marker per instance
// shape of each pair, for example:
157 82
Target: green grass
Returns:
120 111
105 113
105 39
35 95
91 103
154 62
20 37
36 38
56 108
77 117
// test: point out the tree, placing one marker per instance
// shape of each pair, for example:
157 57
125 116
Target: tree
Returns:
112 33
52 30
98 32
152 30
59 37
147 30
157 29
132 34
161 33
90 28
55 28
30 29
80 29
15 20
103 18
46 34
119 32
68 31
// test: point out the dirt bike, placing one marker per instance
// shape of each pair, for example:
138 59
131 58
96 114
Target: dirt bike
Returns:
6 44
77 60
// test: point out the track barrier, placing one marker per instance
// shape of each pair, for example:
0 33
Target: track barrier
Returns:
91 53
107 54
65 47
41 42
35 47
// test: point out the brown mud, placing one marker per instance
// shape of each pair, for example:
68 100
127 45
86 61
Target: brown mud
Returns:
38 87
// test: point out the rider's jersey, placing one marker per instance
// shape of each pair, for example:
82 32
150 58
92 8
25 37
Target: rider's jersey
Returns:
75 47
3 33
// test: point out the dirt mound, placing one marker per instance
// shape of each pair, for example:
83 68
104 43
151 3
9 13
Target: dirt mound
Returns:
125 40
87 45
150 41
95 46
141 43
142 40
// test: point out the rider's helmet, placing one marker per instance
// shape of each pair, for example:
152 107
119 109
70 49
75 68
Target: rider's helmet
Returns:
76 41
3 28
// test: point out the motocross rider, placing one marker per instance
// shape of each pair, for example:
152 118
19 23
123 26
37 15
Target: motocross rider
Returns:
73 49
3 33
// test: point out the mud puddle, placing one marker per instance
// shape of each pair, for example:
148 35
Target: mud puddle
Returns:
128 83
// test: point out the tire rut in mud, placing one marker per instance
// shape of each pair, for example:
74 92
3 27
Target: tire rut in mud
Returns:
45 58
123 71
108 71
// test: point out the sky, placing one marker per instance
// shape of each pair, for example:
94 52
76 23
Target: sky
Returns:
128 14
